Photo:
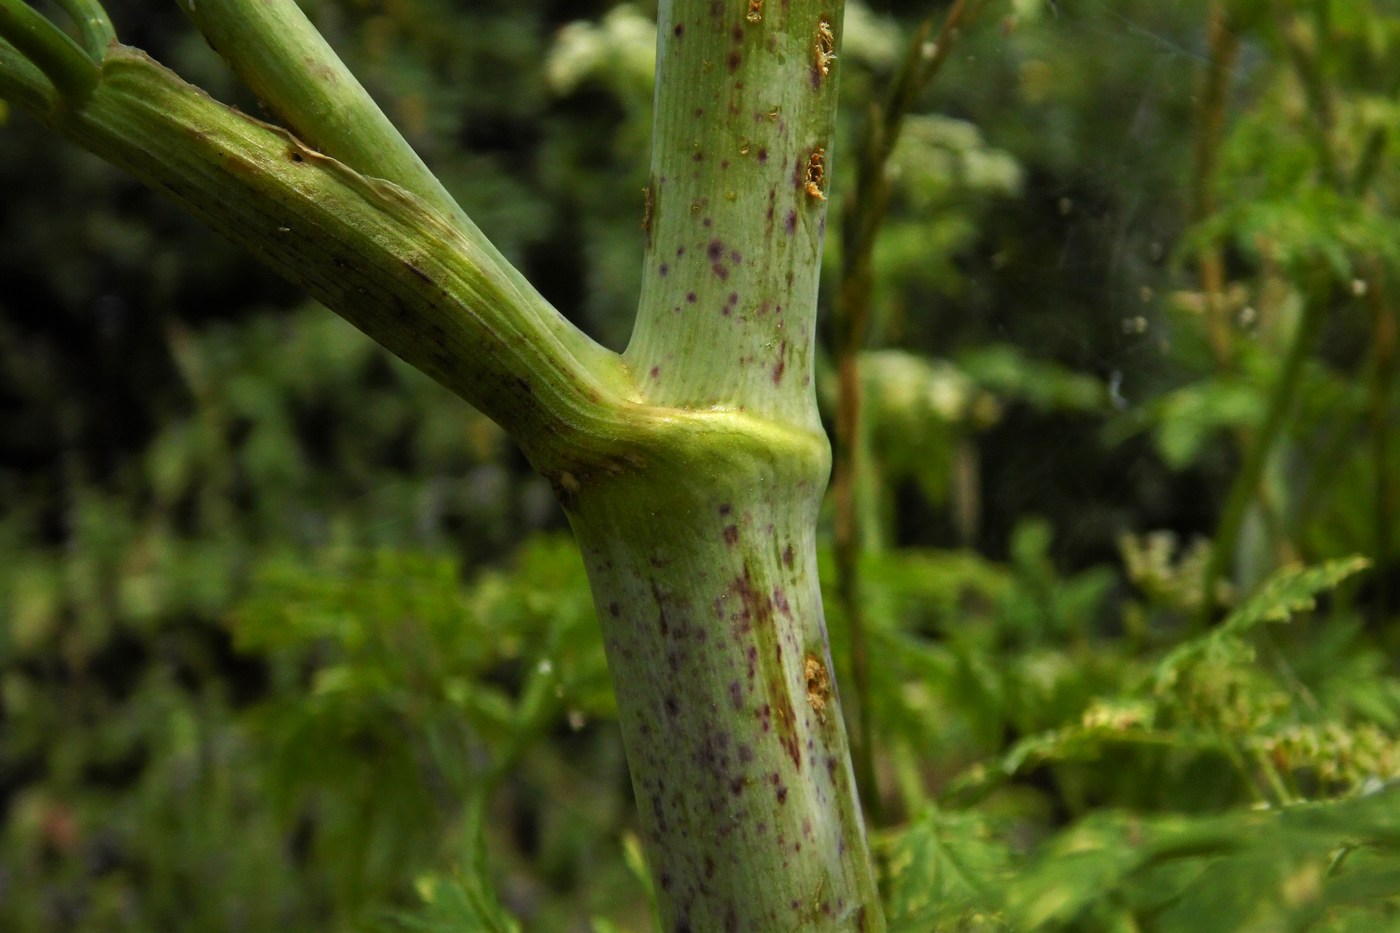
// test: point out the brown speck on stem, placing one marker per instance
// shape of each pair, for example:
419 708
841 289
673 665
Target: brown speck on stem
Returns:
816 174
755 14
646 212
818 685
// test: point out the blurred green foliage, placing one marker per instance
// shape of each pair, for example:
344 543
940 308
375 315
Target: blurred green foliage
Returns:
290 639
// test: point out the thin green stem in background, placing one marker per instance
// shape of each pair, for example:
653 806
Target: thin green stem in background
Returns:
1224 44
1246 484
863 213
94 27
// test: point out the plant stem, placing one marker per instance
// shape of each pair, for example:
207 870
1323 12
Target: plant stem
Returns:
379 256
1246 484
94 27
276 51
702 550
296 75
737 206
708 596
1224 45
862 215
24 85
50 50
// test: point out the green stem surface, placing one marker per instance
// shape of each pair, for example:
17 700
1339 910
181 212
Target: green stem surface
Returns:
704 571
745 100
702 558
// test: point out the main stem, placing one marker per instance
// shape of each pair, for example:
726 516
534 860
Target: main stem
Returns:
701 545
704 571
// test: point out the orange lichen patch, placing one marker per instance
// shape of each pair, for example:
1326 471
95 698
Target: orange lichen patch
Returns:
816 174
818 685
755 11
825 48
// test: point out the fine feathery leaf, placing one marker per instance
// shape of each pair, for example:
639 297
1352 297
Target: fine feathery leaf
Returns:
1289 591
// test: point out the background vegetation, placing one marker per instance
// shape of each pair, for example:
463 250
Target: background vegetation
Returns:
291 640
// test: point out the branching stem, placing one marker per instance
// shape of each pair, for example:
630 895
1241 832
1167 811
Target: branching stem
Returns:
60 59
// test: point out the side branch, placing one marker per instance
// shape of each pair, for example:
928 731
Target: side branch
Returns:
281 57
375 253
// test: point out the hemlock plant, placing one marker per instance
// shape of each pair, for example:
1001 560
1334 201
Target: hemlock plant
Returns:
691 465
